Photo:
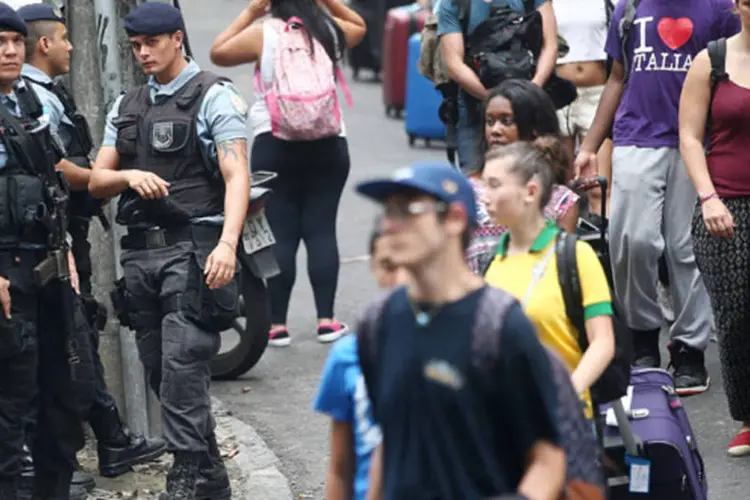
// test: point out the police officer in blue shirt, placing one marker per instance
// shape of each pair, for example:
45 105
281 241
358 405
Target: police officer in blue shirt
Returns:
39 368
176 150
47 57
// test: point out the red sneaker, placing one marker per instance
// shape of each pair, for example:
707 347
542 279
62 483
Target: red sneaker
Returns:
331 332
740 445
279 337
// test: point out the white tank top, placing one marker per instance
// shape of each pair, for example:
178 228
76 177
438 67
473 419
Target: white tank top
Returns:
583 24
260 118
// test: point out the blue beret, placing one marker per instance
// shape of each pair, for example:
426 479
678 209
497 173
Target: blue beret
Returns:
40 12
153 18
10 21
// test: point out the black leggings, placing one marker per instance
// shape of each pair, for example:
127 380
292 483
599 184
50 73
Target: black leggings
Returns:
303 207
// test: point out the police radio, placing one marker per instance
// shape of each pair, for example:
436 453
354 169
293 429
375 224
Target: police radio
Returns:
27 101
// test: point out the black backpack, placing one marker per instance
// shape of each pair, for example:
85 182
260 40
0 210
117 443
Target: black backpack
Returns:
505 45
613 384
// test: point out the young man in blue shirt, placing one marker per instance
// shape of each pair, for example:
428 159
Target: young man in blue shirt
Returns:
451 430
453 42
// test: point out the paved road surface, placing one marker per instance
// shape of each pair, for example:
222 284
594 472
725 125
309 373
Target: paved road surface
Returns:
283 385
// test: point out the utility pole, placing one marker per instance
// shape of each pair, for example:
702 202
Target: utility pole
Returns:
86 86
96 33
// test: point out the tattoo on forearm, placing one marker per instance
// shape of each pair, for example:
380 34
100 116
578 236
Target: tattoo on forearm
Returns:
234 149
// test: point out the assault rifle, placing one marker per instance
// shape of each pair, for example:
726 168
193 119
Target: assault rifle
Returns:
42 157
34 147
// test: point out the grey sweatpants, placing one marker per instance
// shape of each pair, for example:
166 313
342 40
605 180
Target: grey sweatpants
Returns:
653 201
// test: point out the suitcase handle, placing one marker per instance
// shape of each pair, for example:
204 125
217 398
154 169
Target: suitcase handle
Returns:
633 444
583 185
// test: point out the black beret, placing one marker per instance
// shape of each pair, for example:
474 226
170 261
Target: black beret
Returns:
153 18
11 21
40 12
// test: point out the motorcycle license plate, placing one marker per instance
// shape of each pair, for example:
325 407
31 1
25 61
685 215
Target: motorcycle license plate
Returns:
257 234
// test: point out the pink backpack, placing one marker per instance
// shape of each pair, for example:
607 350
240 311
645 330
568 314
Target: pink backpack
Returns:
302 99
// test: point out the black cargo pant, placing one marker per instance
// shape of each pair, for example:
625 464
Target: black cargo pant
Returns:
43 373
78 228
160 287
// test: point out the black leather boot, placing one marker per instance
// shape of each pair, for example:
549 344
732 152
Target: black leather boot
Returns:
85 481
26 481
213 480
56 486
8 489
182 477
117 447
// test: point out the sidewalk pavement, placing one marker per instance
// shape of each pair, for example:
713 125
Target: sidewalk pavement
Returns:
253 467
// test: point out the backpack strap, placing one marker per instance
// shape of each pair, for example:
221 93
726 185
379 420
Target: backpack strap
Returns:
717 54
485 260
609 9
465 18
570 284
626 24
368 328
488 323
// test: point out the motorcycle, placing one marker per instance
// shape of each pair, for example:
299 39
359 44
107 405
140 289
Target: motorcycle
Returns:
257 264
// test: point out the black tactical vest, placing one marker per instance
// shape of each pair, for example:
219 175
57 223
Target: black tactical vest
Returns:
81 142
82 204
162 138
24 205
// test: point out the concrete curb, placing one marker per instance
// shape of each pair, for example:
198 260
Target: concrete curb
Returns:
256 466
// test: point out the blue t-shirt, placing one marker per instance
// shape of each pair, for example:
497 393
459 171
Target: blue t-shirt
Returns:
449 429
449 20
343 397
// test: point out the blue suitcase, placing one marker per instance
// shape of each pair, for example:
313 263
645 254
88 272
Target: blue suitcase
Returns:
422 100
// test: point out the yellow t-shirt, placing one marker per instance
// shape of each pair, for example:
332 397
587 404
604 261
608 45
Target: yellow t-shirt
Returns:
545 306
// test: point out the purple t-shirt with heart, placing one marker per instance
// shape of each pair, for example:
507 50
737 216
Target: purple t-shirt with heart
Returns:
665 37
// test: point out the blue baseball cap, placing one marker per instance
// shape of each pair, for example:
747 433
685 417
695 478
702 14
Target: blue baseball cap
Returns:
437 179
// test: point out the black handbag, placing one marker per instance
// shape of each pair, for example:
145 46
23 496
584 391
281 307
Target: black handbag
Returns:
561 91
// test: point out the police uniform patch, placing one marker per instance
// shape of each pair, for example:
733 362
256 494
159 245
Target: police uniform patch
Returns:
162 135
238 102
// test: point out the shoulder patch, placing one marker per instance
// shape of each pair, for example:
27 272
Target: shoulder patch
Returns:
238 102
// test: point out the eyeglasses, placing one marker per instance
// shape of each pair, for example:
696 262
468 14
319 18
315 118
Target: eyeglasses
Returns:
402 210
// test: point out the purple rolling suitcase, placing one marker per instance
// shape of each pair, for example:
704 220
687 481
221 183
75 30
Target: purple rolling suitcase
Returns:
653 447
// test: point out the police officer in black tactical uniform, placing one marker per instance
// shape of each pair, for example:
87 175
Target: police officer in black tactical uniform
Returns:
48 57
43 361
176 148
